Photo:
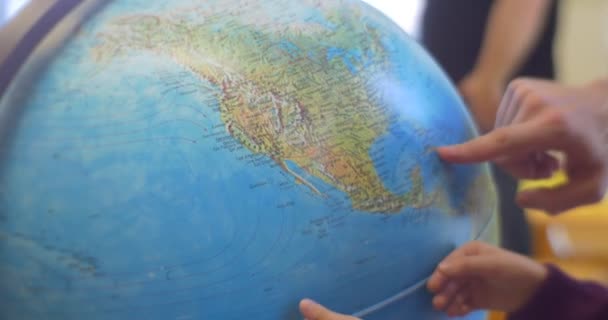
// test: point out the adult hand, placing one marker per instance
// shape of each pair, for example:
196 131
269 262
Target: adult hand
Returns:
481 276
537 117
482 95
314 311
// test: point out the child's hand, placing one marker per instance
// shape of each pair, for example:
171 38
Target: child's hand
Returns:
481 276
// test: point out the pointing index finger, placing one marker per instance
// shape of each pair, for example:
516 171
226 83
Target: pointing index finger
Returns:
506 141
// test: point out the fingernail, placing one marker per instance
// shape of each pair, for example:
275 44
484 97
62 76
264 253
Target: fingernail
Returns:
307 304
444 266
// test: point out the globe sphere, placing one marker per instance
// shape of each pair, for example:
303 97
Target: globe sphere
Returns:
224 159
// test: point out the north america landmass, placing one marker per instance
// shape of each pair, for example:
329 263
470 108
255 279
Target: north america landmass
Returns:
298 94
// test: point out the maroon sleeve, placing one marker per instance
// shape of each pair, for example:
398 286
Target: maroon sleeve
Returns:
563 298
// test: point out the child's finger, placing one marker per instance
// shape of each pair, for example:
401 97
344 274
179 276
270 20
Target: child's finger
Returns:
314 311
436 282
458 307
469 266
445 297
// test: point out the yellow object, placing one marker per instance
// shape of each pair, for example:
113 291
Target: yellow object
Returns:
558 179
497 316
576 241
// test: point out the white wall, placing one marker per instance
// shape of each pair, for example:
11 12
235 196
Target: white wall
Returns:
582 46
406 13
10 7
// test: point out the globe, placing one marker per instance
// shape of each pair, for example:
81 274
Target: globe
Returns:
224 159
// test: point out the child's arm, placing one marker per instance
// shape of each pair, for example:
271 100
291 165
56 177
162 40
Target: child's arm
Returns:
561 297
481 276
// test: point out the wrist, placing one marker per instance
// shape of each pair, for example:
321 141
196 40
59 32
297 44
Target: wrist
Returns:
487 80
599 89
538 274
600 84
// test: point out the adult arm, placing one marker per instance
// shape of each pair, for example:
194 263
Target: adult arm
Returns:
513 30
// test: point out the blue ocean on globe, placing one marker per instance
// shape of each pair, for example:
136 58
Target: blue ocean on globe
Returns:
224 159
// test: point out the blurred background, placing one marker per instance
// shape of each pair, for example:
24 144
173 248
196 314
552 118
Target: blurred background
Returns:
577 240
9 8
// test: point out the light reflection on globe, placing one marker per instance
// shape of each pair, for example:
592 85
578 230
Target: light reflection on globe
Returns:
224 159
